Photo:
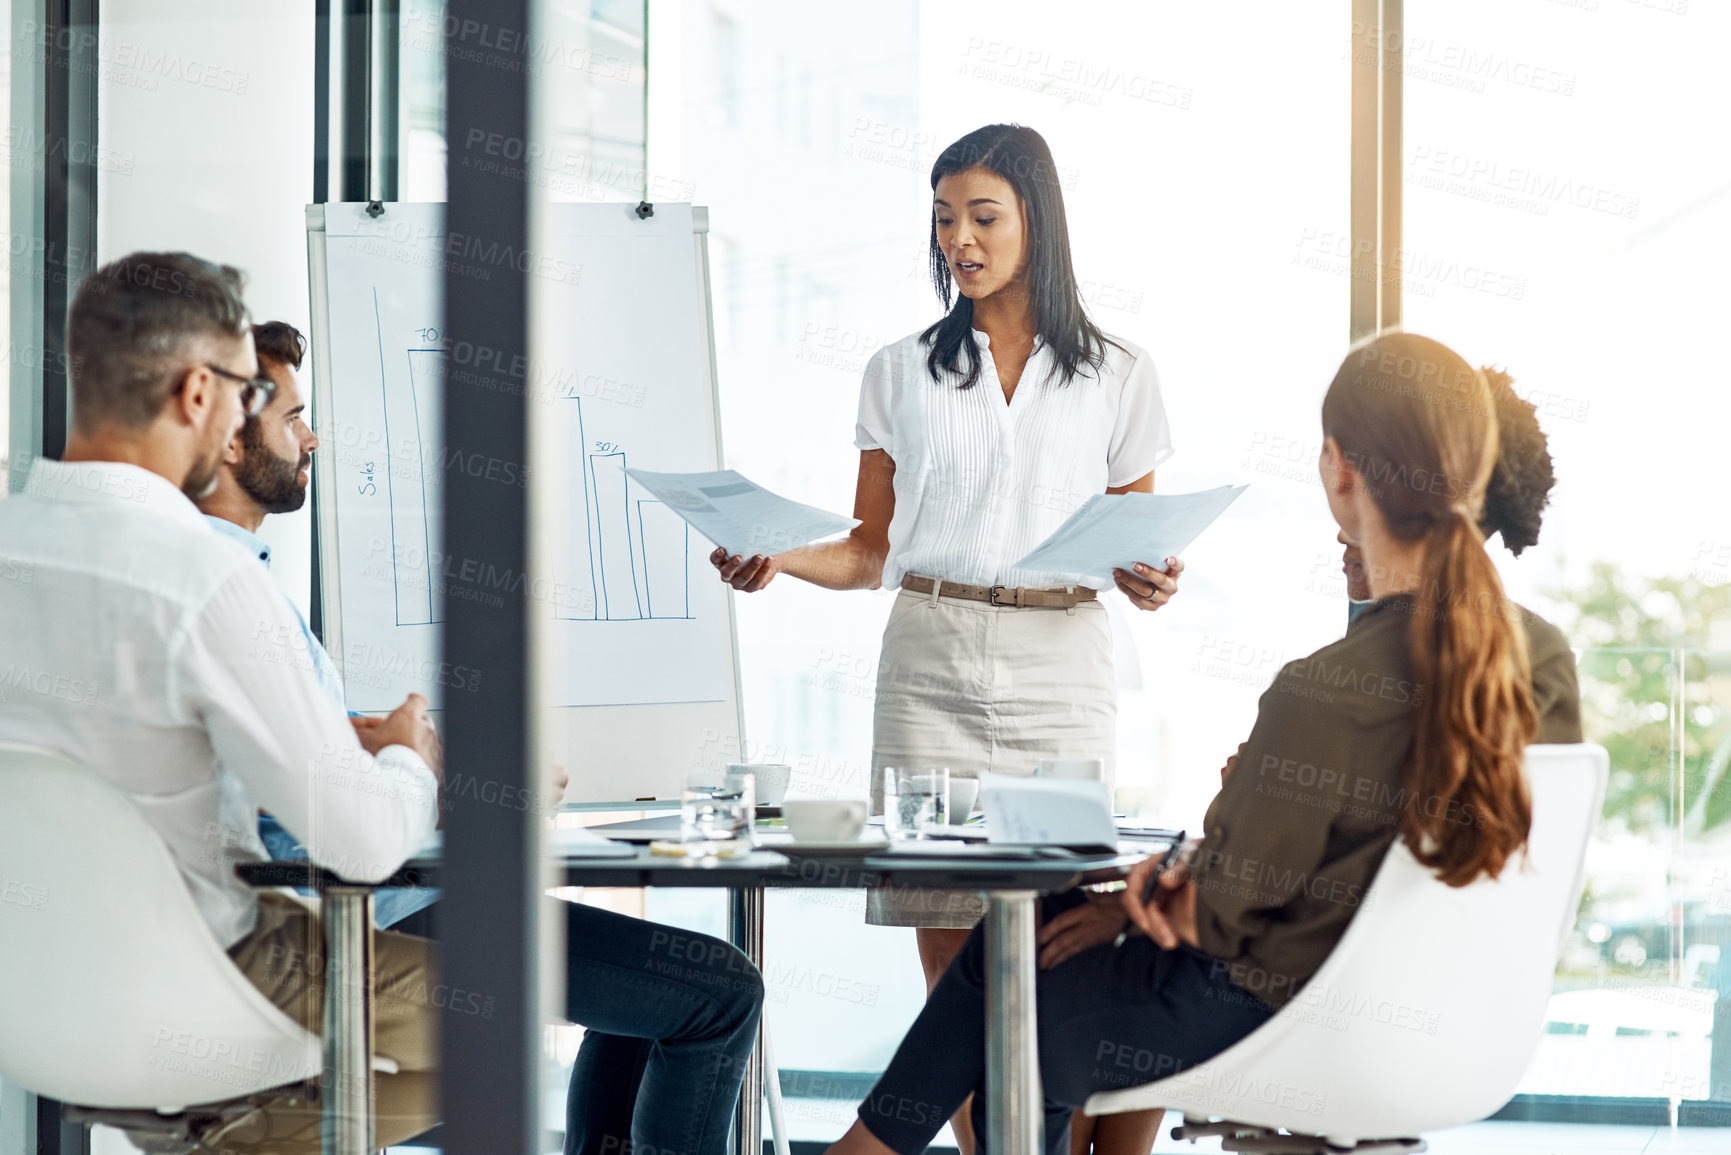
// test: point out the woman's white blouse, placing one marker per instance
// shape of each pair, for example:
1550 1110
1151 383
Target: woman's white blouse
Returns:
980 483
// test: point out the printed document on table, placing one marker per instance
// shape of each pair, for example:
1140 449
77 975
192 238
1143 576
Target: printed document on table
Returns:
1117 530
739 515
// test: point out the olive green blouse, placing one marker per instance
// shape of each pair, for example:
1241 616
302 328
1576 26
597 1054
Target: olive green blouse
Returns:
1296 834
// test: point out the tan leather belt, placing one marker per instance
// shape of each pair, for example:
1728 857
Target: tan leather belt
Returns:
1006 596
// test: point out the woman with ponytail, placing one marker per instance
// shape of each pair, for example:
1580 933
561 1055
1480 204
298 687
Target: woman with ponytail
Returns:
1410 728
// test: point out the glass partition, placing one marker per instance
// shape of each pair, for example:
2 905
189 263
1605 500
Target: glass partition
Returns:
1566 219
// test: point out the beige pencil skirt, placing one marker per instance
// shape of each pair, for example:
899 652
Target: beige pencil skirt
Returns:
978 688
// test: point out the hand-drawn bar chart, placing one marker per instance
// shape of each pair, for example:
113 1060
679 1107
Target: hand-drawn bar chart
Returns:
626 558
665 542
411 400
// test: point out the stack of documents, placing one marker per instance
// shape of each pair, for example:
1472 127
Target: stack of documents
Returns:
1117 530
1110 531
738 515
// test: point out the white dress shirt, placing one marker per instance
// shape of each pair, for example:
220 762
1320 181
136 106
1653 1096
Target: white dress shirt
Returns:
979 483
162 656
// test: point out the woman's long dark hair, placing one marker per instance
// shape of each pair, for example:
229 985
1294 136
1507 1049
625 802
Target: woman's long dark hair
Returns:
1019 155
1420 426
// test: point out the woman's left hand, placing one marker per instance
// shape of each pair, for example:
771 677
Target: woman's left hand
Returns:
1149 588
1097 921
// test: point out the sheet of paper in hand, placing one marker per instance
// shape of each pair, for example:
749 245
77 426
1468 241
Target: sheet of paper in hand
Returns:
1117 530
1070 812
739 515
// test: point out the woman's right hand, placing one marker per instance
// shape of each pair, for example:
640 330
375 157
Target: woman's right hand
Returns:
745 574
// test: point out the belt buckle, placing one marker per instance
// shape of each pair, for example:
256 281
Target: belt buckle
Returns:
992 597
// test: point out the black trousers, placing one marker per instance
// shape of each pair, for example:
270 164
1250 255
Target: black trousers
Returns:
1109 1018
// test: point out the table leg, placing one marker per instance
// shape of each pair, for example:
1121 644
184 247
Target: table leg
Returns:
1013 1103
347 913
745 931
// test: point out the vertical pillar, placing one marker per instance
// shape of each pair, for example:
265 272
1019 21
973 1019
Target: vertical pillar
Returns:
492 898
1377 66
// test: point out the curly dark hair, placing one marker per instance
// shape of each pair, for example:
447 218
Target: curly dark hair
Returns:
1521 480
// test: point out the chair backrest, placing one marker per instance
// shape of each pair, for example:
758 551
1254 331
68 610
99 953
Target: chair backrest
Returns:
113 990
1430 1007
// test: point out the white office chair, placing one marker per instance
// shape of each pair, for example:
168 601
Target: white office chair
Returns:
1427 1012
114 994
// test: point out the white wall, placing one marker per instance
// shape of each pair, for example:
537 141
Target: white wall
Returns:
206 107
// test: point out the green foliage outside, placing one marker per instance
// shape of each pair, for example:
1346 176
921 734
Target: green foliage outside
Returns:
1633 637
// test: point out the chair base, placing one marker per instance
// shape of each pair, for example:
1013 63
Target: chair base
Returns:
1272 1141
189 1132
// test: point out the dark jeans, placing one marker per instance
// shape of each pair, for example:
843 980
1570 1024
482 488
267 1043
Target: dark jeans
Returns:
1109 1018
671 1017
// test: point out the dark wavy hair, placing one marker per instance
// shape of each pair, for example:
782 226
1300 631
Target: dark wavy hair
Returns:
1521 482
280 342
1019 155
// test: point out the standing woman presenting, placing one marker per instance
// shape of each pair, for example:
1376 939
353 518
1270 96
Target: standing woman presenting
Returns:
977 438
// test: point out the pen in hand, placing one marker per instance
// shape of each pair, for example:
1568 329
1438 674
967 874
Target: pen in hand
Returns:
1173 853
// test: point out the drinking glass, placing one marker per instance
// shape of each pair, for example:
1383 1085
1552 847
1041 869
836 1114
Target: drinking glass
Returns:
916 799
717 806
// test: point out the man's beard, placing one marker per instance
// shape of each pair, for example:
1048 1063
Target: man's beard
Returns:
272 482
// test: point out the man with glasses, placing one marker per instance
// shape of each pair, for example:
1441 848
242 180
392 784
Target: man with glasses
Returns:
202 709
181 648
266 469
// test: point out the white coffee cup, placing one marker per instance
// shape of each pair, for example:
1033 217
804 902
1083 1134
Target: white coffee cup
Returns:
964 792
1085 768
773 779
825 819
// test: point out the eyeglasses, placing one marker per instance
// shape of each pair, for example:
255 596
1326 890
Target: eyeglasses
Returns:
255 392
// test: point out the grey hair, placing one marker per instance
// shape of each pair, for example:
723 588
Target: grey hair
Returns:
130 327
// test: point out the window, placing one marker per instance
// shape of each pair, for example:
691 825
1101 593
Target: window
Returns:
1564 221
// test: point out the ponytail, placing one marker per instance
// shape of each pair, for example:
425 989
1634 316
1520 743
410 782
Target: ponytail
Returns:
1470 808
1418 425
